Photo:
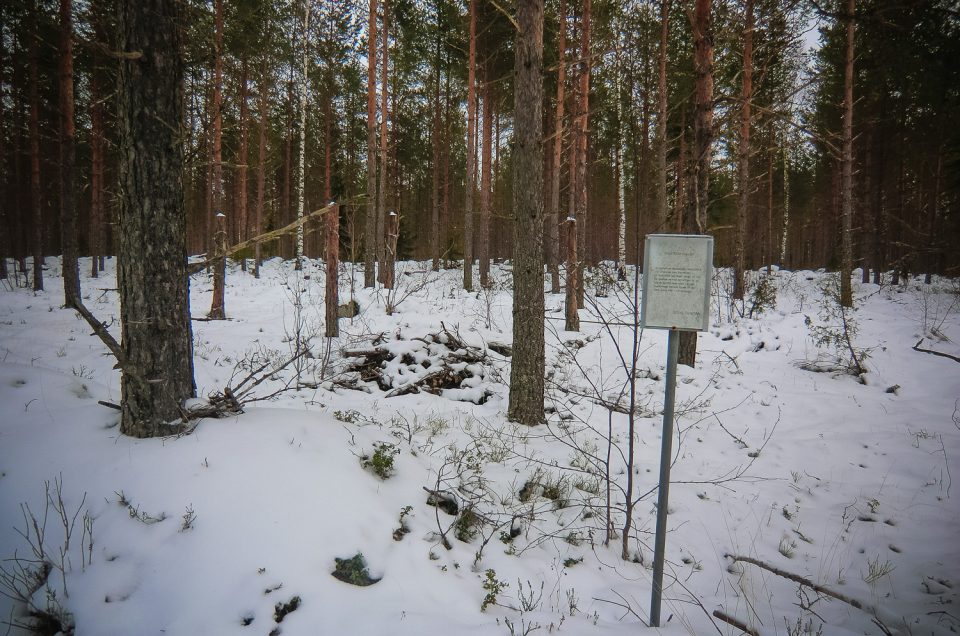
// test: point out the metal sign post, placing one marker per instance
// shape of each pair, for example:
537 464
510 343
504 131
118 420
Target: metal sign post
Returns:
677 269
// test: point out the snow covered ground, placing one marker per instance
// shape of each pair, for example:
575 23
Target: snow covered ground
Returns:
843 481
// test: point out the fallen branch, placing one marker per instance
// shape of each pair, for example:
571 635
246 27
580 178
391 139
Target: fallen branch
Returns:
796 578
193 268
730 620
916 347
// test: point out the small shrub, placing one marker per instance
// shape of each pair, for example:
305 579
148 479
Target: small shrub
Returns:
763 295
189 516
381 461
402 530
353 571
280 610
467 526
492 586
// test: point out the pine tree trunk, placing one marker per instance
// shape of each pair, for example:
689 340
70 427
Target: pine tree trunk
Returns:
435 137
846 196
383 229
242 220
527 371
68 160
552 221
154 297
582 146
6 223
571 316
662 113
96 172
471 151
35 202
261 164
743 156
332 296
302 163
703 132
370 225
483 238
621 173
219 265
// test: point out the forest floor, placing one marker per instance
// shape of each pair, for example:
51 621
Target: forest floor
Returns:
780 456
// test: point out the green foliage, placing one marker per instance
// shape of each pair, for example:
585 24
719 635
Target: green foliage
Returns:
492 586
835 332
763 295
467 526
353 571
381 461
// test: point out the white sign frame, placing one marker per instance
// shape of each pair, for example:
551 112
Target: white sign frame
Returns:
677 269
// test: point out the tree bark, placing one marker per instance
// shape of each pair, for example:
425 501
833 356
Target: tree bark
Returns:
370 225
217 311
242 220
68 160
435 136
743 155
552 221
152 278
471 151
582 191
703 133
483 240
662 113
332 296
35 201
846 196
302 163
96 172
219 268
386 263
527 371
261 163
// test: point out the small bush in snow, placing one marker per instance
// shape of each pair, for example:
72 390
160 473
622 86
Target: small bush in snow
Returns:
353 571
381 461
492 586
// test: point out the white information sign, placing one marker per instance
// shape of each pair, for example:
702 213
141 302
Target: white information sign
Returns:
677 269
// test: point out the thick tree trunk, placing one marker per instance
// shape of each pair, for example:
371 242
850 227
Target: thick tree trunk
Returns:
383 229
483 238
621 173
743 156
662 113
302 163
332 296
846 196
581 195
552 221
703 132
35 202
217 311
571 316
242 220
527 371
471 151
96 173
68 160
217 192
435 136
261 163
370 225
6 223
154 296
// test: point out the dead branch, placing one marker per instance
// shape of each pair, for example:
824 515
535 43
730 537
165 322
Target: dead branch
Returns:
730 620
796 578
193 268
916 347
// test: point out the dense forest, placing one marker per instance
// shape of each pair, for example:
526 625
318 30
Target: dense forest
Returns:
283 111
